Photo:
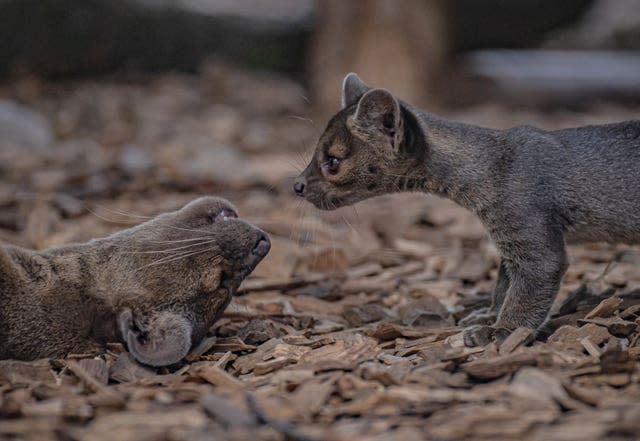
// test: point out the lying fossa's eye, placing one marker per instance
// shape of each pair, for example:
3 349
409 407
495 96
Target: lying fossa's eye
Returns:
223 215
332 164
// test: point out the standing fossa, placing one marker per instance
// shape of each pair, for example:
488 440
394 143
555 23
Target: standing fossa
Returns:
532 189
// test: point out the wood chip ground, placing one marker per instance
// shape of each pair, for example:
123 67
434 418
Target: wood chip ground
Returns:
347 331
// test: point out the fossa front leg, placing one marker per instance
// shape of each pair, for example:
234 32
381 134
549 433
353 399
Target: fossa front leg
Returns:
535 264
488 315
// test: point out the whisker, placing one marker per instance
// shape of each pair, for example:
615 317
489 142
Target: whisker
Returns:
105 219
297 225
179 240
302 159
349 224
173 258
355 211
309 121
170 250
297 167
122 213
271 188
189 230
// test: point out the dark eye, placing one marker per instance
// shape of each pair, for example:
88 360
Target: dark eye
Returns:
333 164
223 215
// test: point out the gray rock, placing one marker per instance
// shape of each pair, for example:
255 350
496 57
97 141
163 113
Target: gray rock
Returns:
197 158
136 160
23 127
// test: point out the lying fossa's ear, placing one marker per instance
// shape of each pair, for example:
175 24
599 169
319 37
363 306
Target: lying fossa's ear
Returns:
164 339
352 90
379 112
22 266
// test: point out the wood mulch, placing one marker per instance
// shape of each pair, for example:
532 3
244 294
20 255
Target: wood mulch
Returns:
347 331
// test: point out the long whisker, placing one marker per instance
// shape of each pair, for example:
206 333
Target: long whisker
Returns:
300 157
173 258
189 230
307 120
171 250
349 224
216 259
179 240
355 212
297 209
122 213
166 259
110 221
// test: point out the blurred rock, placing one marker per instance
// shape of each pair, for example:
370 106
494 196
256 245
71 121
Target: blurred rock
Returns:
24 127
425 311
69 206
605 25
42 222
135 160
368 313
199 159
258 331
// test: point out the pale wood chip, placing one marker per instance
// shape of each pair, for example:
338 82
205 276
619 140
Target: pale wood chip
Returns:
606 308
519 337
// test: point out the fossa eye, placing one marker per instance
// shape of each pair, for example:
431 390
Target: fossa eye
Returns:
223 215
333 164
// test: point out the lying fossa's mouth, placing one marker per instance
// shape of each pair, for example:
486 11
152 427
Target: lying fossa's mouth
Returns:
230 280
226 280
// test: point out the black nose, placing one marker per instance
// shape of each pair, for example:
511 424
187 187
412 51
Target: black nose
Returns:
262 246
298 187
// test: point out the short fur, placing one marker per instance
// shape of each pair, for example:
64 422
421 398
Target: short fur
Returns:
141 286
532 189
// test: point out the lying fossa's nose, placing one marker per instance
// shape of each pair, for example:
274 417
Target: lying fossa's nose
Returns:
263 246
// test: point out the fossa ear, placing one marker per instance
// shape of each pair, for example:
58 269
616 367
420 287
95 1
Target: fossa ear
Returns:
163 340
378 111
352 90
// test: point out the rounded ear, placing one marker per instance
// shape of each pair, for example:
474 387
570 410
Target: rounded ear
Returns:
164 340
352 89
379 111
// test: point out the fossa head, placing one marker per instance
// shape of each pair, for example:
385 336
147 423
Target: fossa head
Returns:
204 246
365 150
192 261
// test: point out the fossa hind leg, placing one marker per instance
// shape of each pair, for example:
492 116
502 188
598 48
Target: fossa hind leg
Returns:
535 263
488 315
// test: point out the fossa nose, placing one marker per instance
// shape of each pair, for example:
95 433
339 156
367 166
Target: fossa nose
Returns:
299 185
262 247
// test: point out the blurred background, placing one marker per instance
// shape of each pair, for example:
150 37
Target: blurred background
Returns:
426 50
115 109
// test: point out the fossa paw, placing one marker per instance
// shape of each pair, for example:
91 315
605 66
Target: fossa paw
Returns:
482 335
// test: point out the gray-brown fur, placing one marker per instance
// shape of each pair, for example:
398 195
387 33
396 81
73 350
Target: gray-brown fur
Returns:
533 189
158 287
